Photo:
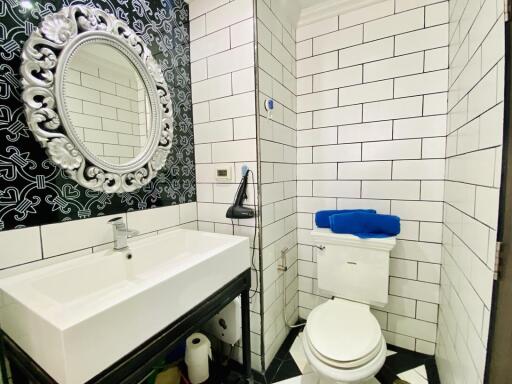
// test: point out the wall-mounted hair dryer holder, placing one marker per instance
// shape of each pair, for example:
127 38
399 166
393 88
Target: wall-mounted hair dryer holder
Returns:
238 210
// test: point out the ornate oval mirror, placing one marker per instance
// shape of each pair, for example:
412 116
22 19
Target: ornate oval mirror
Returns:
96 100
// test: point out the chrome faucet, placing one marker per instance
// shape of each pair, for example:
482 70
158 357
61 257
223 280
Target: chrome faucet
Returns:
121 233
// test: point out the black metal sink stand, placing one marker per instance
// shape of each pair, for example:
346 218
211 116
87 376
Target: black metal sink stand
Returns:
139 363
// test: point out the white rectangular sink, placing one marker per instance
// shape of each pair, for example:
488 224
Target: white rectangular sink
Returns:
78 317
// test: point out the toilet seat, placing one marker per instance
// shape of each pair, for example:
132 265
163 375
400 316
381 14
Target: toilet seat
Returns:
343 334
339 375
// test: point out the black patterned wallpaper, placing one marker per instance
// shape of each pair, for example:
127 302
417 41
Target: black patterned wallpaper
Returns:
33 191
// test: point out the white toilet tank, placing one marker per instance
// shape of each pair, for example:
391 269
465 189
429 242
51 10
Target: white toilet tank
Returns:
353 268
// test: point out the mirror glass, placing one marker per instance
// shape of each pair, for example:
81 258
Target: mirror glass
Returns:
107 103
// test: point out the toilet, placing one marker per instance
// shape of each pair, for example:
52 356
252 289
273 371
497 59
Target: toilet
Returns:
342 339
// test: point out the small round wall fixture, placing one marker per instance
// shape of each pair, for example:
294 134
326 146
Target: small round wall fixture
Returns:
96 99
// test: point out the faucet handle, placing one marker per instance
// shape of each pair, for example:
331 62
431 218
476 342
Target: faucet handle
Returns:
117 222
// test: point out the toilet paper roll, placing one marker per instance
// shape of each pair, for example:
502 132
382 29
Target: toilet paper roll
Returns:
197 354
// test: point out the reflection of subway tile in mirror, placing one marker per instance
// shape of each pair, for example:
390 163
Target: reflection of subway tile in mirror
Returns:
110 107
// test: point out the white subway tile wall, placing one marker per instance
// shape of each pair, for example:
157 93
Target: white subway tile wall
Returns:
278 159
224 111
371 123
473 171
108 110
33 247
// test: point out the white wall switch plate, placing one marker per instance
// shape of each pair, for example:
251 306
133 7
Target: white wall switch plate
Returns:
224 173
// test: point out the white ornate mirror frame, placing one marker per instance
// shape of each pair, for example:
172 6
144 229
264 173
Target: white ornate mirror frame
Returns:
46 55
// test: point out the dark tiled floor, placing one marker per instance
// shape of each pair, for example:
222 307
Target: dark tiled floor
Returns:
283 366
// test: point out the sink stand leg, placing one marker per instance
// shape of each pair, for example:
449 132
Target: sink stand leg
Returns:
246 336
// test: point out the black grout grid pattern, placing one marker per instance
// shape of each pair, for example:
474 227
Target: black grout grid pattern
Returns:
283 366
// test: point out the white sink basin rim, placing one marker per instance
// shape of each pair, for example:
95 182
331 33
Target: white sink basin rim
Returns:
78 317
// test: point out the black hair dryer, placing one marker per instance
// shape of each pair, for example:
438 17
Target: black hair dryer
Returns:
237 210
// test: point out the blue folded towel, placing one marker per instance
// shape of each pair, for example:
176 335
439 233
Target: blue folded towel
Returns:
322 217
365 225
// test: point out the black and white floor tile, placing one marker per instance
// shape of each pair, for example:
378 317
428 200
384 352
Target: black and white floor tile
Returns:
290 367
401 367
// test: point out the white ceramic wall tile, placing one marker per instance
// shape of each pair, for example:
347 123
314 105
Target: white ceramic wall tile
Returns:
436 14
201 113
432 190
390 151
243 80
337 116
244 128
418 210
210 132
429 272
197 27
338 40
318 136
224 106
210 89
412 327
234 151
20 246
475 49
436 59
393 109
423 39
278 159
414 290
394 25
317 100
335 153
368 170
304 85
430 82
233 106
406 269
372 12
393 67
304 49
365 93
327 171
337 188
426 311
316 29
336 79
420 127
376 131
404 5
419 169
61 238
200 7
364 53
188 212
150 220
321 63
231 60
400 306
396 189
431 232
242 33
228 14
209 45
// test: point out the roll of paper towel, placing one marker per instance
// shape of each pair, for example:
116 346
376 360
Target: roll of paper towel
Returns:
197 356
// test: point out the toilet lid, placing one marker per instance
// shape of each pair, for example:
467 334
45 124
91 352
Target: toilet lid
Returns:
343 331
